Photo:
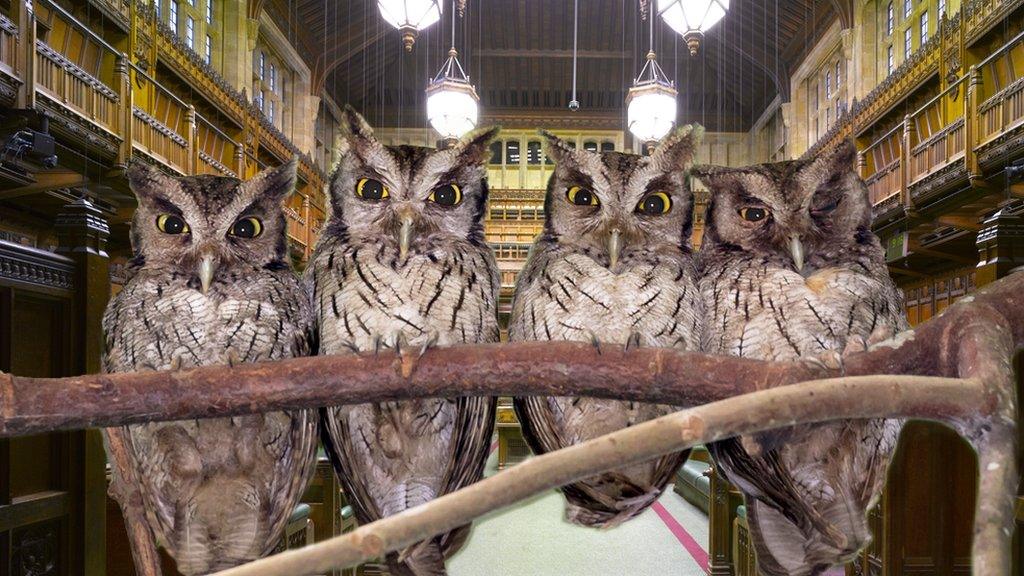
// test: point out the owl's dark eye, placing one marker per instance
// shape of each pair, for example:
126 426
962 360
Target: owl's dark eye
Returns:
580 196
753 213
171 224
825 206
370 189
655 204
248 227
447 195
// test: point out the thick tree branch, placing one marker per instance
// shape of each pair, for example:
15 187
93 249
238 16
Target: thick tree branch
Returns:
868 396
33 405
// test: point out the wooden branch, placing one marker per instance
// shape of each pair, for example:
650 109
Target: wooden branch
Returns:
34 405
863 397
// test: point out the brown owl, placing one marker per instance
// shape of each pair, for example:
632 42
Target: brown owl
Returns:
789 268
402 263
613 266
210 283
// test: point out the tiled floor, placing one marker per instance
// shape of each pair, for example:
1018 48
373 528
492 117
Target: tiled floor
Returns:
532 539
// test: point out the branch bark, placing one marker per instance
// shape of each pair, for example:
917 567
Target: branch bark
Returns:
863 397
967 352
33 405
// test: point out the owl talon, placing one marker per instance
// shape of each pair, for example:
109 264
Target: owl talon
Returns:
378 343
175 363
594 341
633 341
430 343
401 343
233 358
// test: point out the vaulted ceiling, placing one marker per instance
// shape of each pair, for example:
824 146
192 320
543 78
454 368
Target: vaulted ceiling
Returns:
519 55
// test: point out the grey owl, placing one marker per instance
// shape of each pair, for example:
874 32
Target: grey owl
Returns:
614 265
210 283
789 268
403 263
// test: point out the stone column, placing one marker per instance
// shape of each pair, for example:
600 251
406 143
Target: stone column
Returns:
82 233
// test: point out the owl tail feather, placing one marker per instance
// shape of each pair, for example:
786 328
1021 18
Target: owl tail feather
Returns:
423 559
600 515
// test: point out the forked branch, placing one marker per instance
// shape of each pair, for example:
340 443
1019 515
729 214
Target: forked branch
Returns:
861 397
956 368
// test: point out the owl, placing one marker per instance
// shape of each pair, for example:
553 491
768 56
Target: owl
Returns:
402 263
210 283
789 268
612 266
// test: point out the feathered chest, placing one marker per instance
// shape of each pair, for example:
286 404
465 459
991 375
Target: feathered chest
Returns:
763 311
447 296
157 323
571 297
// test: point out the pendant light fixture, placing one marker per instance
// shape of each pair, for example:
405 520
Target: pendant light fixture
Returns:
692 18
452 102
651 102
410 16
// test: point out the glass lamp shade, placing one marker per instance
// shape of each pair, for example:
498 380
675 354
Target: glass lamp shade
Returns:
410 16
692 18
651 111
452 108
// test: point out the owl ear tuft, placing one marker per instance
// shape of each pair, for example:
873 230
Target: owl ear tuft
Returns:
356 134
278 183
474 148
710 175
678 149
148 181
556 148
844 157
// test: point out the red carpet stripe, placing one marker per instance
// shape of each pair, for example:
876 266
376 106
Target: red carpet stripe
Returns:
692 547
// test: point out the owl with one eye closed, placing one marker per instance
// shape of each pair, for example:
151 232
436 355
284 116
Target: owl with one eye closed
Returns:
613 265
210 283
403 263
789 268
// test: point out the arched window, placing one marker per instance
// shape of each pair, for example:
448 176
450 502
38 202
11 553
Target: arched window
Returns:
533 153
496 152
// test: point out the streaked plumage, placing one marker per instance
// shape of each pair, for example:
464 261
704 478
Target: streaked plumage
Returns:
609 273
216 492
789 268
440 289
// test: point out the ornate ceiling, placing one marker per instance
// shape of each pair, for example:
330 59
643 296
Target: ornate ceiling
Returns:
519 55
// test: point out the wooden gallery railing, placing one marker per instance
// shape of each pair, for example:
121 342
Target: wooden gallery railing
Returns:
957 132
132 108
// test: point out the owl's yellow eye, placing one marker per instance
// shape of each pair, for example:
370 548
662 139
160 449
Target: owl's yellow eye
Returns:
447 195
580 196
171 224
655 204
370 189
753 213
248 227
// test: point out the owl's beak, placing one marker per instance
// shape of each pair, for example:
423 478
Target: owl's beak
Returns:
206 270
796 249
614 247
404 236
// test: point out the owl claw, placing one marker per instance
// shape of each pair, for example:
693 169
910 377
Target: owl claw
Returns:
633 341
594 341
175 363
233 358
401 343
430 343
378 343
351 346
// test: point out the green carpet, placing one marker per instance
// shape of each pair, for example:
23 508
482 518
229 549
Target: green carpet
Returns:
532 539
